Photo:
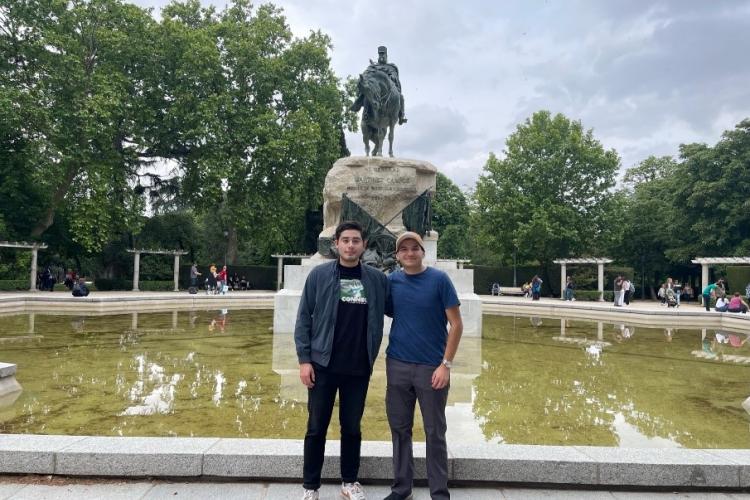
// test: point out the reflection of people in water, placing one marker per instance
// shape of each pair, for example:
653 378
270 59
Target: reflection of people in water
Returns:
220 321
736 341
536 321
623 332
669 334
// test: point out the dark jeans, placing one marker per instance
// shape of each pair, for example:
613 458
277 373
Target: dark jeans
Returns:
626 297
352 394
707 302
407 384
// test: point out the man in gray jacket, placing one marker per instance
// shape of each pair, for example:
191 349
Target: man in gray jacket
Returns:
337 335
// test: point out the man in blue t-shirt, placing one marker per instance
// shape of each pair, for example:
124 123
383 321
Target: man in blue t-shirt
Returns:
337 335
419 358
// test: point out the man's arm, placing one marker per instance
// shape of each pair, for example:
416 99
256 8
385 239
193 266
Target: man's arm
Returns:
303 333
442 374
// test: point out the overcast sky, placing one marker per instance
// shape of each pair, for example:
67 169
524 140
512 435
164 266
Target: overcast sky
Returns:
645 75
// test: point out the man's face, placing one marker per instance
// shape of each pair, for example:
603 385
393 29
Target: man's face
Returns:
350 246
410 254
382 57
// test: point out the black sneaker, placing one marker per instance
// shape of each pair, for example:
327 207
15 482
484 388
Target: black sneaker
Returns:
396 496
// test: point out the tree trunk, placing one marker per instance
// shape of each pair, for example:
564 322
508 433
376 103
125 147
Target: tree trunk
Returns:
232 245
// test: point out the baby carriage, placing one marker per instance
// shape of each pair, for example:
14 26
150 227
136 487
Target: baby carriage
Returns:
670 298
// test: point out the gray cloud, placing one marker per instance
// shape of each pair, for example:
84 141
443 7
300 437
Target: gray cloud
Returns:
646 76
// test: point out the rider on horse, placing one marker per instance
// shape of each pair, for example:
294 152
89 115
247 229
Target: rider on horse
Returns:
389 69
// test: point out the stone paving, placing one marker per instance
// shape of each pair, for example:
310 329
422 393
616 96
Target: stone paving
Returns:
41 488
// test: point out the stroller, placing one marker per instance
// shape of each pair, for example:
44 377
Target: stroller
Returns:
670 298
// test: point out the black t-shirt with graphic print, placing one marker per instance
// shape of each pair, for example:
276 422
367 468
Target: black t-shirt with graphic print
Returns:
349 355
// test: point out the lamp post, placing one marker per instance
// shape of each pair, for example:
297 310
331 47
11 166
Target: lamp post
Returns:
515 250
226 246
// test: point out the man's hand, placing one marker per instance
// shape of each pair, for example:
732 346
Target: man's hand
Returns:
307 375
440 377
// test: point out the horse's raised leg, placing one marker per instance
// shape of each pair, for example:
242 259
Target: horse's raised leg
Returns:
390 140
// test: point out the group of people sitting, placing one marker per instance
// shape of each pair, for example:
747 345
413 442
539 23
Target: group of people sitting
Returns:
733 304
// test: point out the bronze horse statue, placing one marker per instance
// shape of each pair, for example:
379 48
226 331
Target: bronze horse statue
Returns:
382 102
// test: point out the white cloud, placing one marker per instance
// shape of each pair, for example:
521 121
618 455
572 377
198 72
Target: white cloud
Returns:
646 76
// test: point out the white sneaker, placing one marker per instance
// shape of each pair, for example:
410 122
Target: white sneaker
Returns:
353 491
310 495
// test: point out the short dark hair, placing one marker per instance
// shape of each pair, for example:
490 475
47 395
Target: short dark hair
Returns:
349 224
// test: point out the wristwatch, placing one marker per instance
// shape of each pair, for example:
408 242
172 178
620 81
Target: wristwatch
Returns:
447 364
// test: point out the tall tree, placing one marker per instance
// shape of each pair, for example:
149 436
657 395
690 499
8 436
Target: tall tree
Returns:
261 119
548 195
450 218
70 92
710 196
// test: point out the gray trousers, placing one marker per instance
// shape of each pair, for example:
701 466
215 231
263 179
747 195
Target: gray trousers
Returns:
407 384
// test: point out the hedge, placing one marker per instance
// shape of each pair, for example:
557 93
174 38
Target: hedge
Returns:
13 285
123 284
609 295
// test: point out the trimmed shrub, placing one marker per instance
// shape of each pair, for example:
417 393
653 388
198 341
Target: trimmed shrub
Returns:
107 284
609 296
14 285
155 286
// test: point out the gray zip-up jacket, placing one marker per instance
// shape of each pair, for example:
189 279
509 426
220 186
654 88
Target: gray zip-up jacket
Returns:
318 307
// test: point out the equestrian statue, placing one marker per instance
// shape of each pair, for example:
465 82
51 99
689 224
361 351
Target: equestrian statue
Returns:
379 93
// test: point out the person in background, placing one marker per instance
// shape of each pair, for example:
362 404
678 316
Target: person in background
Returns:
687 292
569 289
536 287
708 292
80 289
736 304
722 304
618 291
221 280
626 291
194 275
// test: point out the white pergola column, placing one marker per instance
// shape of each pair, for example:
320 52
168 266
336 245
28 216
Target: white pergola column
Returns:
562 327
279 272
704 276
136 269
176 271
32 277
32 321
563 270
174 320
599 330
134 321
600 274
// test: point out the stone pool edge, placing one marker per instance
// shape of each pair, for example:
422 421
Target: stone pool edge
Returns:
254 459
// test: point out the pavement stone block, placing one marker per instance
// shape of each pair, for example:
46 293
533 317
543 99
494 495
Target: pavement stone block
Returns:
31 453
522 464
124 491
134 456
536 494
255 458
739 457
663 467
8 489
202 491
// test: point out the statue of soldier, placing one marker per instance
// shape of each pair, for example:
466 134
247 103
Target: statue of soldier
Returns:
389 69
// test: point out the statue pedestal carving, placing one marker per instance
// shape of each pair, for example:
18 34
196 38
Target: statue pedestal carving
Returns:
382 187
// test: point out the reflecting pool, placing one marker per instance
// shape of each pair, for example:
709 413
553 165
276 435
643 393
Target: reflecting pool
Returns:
529 380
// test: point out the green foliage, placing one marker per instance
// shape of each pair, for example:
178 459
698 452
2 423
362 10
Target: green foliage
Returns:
450 218
738 278
14 285
548 196
106 284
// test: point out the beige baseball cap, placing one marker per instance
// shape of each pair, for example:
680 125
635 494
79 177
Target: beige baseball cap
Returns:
409 235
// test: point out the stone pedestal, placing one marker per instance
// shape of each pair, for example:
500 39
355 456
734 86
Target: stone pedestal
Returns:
10 389
383 187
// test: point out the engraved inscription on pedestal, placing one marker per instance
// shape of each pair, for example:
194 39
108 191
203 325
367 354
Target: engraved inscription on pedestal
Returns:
381 186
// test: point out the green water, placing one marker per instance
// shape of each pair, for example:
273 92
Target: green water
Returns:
527 381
